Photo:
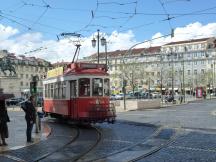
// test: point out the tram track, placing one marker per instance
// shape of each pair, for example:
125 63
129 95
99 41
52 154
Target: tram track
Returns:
140 150
57 150
85 141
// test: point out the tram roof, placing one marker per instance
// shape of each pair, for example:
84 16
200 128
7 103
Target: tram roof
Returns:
79 68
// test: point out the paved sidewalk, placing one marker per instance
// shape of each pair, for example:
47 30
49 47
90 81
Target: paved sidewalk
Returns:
17 131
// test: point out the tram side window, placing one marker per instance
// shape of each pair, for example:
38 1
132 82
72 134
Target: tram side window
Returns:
51 90
84 87
60 90
64 89
97 87
48 96
106 87
46 90
56 91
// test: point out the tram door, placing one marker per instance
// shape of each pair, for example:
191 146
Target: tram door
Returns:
73 98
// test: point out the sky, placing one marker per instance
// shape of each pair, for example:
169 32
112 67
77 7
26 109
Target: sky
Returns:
35 27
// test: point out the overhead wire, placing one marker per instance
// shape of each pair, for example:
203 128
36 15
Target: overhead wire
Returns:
29 28
93 13
175 16
117 3
42 14
168 15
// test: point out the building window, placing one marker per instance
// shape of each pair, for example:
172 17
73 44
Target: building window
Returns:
188 72
27 84
195 72
21 83
21 75
26 76
202 71
110 67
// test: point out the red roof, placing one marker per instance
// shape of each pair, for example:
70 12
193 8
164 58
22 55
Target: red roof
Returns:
188 41
135 51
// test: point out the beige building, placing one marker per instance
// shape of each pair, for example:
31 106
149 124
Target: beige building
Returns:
175 65
18 83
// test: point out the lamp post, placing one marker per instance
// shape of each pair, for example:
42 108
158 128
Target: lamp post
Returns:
104 43
183 75
171 55
161 78
214 77
94 44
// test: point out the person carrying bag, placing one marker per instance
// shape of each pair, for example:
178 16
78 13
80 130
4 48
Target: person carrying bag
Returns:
30 116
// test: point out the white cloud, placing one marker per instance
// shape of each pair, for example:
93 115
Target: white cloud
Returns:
191 31
65 48
7 31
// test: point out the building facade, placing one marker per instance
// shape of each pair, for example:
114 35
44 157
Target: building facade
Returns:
16 73
173 66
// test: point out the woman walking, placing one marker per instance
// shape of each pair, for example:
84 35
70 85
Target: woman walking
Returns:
4 118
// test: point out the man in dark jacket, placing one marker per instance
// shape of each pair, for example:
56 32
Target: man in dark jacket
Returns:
4 118
30 117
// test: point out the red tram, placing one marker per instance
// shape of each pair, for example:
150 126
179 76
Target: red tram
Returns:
79 92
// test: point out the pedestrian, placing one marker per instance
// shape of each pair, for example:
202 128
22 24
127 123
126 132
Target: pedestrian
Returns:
204 94
4 118
30 116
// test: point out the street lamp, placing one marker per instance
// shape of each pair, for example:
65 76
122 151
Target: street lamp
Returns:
94 43
104 43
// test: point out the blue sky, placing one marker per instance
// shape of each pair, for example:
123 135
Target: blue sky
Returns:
120 21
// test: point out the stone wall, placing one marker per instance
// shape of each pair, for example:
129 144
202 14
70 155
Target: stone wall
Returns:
10 85
136 104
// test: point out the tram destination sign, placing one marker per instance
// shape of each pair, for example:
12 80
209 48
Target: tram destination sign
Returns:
91 66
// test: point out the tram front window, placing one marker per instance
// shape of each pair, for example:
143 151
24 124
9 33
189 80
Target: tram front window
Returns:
84 87
97 87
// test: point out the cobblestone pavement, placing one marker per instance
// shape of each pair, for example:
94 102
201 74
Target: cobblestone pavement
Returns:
119 136
189 147
197 142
